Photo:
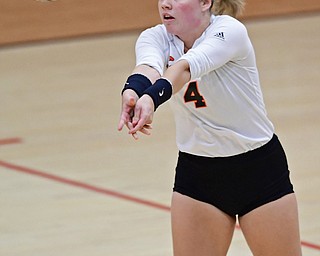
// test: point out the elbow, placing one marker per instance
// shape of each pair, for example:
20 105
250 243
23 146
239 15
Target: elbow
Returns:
185 68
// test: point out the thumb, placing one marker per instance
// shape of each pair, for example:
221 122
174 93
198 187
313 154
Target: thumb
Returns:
136 117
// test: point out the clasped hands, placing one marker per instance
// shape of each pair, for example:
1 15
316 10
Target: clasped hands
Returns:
136 114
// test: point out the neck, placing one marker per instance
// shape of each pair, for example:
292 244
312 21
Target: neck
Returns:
191 38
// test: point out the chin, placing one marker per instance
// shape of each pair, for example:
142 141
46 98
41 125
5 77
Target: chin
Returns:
170 29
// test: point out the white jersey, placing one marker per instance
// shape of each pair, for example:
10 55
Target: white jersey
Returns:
220 112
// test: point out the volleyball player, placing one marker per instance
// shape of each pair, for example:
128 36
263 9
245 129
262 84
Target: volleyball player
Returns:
231 164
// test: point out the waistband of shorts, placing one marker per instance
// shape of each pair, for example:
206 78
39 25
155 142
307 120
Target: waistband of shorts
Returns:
264 150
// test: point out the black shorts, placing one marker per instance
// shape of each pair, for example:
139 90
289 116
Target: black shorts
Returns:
236 184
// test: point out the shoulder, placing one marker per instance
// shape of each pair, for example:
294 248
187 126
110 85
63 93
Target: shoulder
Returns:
226 24
157 32
229 30
155 37
226 21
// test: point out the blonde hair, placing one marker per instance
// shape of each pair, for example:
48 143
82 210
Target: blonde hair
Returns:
228 7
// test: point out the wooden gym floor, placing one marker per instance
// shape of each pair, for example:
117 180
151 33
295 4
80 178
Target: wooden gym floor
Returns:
71 184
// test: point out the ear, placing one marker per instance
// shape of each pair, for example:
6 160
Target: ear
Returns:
206 4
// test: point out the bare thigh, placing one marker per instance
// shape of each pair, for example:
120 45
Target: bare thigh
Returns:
199 228
273 229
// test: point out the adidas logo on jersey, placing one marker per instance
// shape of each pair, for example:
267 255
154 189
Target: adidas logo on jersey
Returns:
220 35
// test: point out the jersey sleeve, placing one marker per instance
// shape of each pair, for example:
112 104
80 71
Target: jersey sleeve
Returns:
223 42
152 48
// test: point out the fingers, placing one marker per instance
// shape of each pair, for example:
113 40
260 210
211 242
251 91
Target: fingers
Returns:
139 127
121 124
138 121
143 114
136 115
124 119
137 124
145 130
130 127
127 110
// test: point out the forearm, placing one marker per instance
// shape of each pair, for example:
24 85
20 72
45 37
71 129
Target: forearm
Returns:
178 74
145 80
142 77
147 71
174 78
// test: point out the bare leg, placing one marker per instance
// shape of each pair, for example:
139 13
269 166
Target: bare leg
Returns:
199 228
273 229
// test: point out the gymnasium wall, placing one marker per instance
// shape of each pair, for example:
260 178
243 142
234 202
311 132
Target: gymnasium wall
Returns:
38 20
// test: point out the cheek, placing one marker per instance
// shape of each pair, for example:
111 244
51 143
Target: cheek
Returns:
190 15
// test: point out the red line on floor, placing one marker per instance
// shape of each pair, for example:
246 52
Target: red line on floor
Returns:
10 141
105 191
310 245
83 185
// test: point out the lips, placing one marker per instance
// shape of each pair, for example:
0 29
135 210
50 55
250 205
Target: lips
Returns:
168 17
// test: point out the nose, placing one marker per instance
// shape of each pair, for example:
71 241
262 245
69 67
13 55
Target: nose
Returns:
165 4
